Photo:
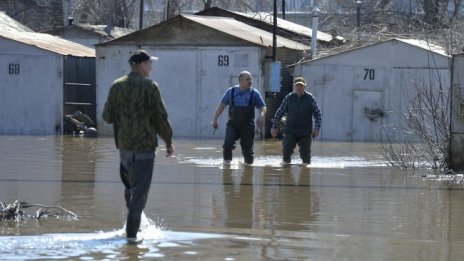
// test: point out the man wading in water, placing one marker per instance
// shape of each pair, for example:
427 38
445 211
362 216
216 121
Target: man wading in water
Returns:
242 101
300 107
136 110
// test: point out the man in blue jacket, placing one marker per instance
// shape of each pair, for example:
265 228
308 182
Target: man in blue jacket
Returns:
242 101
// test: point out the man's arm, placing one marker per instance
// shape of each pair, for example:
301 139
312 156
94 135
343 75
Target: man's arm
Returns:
107 114
278 116
261 117
318 119
219 109
225 100
258 99
163 127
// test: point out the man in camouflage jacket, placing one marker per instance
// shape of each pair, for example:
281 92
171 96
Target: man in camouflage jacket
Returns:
135 108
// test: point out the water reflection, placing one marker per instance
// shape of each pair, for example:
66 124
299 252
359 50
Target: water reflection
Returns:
79 160
269 198
78 170
348 205
238 197
298 204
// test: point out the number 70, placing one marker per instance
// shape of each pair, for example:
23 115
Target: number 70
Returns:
369 74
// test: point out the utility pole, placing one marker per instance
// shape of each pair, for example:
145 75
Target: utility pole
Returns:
141 15
283 9
314 27
274 34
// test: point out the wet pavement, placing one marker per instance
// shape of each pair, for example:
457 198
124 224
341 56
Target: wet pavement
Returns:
348 205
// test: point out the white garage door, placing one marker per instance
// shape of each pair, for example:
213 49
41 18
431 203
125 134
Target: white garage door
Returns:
367 115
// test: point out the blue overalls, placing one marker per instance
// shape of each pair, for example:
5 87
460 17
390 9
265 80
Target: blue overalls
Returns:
241 125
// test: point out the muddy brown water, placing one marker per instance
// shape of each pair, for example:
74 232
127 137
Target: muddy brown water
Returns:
347 206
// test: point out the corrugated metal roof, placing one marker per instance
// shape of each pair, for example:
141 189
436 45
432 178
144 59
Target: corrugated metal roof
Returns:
101 30
243 31
266 22
50 43
287 25
115 32
414 42
425 45
9 24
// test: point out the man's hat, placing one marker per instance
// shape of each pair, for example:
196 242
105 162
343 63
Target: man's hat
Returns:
140 56
299 80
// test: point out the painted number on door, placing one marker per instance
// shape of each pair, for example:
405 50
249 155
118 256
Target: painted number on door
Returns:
223 60
369 74
13 68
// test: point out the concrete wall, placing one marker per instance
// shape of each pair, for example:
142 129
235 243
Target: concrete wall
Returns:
353 89
457 114
31 94
192 81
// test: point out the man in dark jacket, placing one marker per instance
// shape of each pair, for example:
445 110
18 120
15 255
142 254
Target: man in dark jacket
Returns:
300 107
137 112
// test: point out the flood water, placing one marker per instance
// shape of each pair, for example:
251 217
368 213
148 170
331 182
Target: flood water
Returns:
347 206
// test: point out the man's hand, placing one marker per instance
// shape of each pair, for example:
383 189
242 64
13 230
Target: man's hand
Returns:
315 133
273 132
214 124
169 150
260 121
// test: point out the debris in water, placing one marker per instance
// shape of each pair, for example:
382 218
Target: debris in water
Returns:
14 211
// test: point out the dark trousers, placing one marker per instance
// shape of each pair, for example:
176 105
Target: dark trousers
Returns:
289 143
246 134
136 170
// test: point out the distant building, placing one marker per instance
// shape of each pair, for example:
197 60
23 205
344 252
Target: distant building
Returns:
88 35
43 78
287 30
200 57
363 93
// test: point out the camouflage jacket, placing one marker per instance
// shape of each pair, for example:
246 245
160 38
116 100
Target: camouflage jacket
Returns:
137 112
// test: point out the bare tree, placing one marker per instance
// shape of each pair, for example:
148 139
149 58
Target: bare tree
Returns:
122 12
207 3
457 9
173 8
431 8
111 12
383 4
424 139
